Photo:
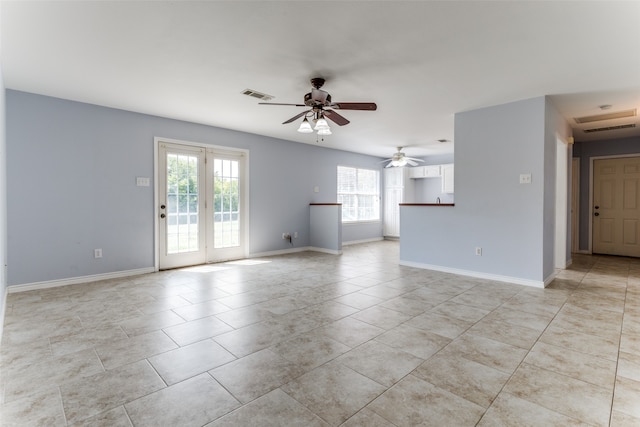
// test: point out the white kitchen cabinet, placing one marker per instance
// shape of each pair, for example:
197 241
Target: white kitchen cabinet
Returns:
429 171
398 188
447 178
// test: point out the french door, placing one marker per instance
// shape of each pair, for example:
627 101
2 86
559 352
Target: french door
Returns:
201 205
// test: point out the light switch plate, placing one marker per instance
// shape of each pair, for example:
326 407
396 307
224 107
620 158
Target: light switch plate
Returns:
525 178
142 181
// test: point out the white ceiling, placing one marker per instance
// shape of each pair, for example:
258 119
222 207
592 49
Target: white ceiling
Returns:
420 61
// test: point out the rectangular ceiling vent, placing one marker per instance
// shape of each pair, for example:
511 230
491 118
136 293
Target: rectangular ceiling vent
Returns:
631 125
606 116
254 93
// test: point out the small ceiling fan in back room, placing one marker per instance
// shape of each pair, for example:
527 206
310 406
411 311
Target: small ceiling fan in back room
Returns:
321 107
400 159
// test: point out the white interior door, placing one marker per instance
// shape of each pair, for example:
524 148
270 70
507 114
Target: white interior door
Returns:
616 206
181 180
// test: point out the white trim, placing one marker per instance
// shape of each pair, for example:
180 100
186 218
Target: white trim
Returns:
479 275
326 251
75 280
356 242
575 185
3 311
279 252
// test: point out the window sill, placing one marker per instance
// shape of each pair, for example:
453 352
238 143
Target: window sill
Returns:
373 221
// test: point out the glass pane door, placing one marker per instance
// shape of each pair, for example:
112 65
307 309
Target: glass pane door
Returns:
182 203
227 215
182 229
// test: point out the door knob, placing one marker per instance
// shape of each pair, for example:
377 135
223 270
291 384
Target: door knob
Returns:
163 206
596 214
162 215
597 207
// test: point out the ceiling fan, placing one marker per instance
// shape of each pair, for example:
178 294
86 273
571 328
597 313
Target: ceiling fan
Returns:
321 108
399 159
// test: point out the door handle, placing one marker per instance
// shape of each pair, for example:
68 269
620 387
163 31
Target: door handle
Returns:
596 214
162 215
597 207
163 206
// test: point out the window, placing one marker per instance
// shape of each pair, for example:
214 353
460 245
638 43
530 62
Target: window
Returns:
359 193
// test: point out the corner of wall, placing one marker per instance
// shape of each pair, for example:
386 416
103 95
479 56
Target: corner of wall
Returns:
3 203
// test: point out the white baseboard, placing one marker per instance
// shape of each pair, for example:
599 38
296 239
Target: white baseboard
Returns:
325 251
75 280
356 242
478 274
279 252
3 310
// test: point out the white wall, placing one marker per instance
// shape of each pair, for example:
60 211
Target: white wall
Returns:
508 220
71 187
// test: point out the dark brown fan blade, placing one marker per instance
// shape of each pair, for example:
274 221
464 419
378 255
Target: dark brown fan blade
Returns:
275 103
296 117
336 118
368 106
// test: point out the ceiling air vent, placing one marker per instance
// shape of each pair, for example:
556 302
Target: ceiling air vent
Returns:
631 125
606 116
256 94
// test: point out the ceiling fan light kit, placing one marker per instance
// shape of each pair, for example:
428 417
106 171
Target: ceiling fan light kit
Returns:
305 127
322 108
399 159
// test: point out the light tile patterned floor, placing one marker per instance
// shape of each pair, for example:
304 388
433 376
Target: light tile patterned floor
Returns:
312 339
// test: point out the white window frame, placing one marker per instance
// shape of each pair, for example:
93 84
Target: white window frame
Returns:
376 194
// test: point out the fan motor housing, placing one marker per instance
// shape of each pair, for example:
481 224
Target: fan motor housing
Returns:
310 102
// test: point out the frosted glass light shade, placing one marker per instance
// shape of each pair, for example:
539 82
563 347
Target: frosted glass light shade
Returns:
321 124
305 126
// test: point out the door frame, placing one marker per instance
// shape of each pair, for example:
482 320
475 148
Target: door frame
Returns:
591 164
575 204
156 195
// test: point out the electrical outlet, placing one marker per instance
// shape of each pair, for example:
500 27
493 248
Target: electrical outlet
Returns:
525 178
295 234
286 236
479 251
97 253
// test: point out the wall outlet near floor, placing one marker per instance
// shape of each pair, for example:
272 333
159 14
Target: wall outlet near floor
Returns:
295 234
479 251
97 253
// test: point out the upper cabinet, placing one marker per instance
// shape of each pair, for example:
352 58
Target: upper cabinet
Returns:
435 171
447 178
430 171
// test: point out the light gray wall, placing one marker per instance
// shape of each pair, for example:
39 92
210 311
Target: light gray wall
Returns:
585 151
508 220
71 186
3 203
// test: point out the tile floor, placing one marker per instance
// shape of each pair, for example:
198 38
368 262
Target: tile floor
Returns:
312 339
